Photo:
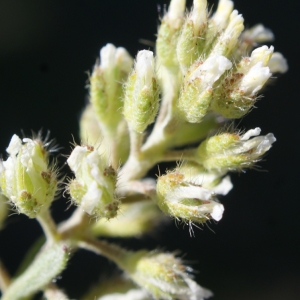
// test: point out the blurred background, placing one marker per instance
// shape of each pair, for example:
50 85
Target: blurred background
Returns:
47 49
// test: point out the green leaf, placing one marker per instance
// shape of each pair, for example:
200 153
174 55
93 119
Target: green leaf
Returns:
47 265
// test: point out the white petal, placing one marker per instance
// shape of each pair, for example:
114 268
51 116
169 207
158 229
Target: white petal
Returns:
250 133
123 59
107 56
91 198
14 145
217 212
224 187
197 291
144 69
258 34
211 70
278 63
76 158
221 16
176 10
199 14
189 192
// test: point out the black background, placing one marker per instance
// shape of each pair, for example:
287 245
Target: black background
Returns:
46 49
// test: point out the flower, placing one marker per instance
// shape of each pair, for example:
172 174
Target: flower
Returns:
95 182
197 90
26 177
185 200
106 85
164 276
230 151
141 93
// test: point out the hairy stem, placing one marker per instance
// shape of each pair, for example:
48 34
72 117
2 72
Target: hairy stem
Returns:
48 226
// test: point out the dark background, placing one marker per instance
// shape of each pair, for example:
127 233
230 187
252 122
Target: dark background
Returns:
46 49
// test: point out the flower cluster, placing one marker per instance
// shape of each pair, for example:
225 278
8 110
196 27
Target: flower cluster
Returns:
205 71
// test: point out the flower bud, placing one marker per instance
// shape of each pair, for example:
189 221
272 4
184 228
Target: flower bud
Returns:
230 151
182 199
217 23
141 93
192 37
214 181
164 276
106 84
26 177
278 63
168 34
256 35
228 40
95 183
237 93
197 91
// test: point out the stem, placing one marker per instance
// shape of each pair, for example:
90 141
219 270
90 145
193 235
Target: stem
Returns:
136 140
75 226
4 278
187 154
110 251
48 225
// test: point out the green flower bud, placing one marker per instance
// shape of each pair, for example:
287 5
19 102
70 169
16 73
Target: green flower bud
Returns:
229 151
141 93
95 183
197 90
183 199
26 177
238 91
192 37
217 23
168 33
227 42
106 84
214 181
163 275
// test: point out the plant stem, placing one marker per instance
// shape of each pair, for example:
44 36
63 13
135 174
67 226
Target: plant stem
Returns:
75 226
110 251
48 226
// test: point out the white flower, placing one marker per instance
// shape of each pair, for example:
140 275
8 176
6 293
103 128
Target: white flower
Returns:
164 276
211 70
180 197
26 177
261 54
175 11
278 63
95 183
198 15
144 68
254 79
228 40
257 34
221 17
231 151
